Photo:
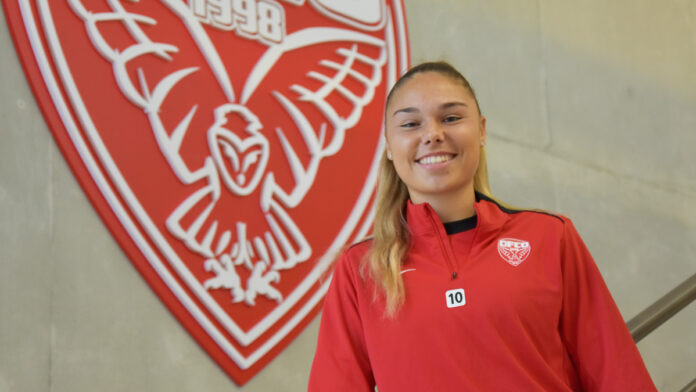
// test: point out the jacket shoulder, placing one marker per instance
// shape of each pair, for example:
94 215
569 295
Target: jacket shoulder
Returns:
525 213
542 216
352 256
358 249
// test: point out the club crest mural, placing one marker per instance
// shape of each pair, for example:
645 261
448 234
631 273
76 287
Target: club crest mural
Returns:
230 146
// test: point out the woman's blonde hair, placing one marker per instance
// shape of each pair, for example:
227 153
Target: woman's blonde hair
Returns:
391 238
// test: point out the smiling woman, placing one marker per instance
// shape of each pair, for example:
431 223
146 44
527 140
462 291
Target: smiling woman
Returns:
434 133
456 291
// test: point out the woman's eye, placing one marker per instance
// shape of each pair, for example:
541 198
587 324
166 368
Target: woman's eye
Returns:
451 118
409 124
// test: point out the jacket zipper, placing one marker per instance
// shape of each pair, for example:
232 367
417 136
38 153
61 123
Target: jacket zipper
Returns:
437 228
453 265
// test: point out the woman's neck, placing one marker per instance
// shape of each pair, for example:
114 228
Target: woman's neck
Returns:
450 207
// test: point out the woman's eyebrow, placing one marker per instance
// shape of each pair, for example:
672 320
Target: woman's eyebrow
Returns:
405 110
448 105
445 105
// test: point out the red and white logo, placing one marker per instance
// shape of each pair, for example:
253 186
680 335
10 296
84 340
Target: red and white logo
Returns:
513 251
229 145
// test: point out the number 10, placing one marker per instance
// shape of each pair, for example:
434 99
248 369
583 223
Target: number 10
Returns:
455 298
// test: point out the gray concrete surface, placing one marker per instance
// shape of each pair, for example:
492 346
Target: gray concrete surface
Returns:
591 112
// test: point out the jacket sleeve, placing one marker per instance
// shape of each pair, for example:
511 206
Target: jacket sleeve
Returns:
595 334
341 362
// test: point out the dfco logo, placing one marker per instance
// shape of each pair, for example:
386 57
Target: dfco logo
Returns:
513 251
229 145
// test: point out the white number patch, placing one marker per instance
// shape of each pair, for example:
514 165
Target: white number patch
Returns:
455 298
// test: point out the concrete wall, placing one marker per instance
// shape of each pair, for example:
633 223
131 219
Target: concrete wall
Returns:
591 112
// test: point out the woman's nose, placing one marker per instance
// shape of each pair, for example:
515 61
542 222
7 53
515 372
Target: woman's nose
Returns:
433 134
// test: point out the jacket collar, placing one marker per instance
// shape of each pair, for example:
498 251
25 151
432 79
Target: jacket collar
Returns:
423 220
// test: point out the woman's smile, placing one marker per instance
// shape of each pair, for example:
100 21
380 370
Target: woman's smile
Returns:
435 158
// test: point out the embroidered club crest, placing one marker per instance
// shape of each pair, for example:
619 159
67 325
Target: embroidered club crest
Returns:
229 145
513 251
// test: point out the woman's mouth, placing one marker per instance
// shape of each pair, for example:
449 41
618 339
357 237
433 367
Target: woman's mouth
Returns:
435 158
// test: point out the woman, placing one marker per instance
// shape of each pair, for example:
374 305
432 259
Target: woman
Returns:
456 292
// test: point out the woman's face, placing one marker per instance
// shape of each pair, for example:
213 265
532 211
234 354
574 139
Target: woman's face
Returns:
434 133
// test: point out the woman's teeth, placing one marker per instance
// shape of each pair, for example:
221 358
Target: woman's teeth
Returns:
434 159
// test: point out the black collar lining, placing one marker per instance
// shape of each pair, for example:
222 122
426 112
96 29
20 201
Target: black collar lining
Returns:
461 225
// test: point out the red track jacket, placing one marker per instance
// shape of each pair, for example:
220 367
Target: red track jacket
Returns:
516 304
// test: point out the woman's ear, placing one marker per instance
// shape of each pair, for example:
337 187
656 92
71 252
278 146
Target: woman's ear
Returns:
386 147
482 129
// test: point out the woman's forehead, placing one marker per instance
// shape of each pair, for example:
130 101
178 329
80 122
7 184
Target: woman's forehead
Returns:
430 88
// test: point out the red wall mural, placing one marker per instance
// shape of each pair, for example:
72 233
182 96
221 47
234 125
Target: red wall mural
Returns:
230 146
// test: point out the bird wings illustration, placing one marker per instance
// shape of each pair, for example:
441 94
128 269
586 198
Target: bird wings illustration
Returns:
224 146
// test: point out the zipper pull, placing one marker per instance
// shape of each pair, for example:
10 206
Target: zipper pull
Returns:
454 275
